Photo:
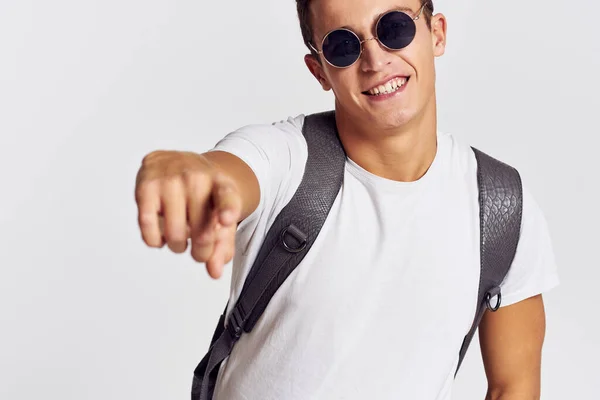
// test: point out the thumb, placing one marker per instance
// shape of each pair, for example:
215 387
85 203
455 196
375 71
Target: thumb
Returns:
227 201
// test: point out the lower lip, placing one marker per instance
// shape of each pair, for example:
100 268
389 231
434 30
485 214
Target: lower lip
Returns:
383 97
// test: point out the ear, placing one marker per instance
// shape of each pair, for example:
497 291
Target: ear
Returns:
438 34
316 69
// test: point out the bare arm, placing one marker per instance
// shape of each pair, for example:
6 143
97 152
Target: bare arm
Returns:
511 345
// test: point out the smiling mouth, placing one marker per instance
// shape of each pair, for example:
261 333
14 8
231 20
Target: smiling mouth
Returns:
391 86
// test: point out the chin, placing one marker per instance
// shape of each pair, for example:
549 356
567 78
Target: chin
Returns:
390 116
391 119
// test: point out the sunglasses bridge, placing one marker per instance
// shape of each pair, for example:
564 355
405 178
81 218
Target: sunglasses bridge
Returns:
366 40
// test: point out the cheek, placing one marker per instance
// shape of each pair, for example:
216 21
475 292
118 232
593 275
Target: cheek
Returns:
420 56
343 82
422 64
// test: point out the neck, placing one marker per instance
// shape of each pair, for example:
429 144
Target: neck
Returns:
402 153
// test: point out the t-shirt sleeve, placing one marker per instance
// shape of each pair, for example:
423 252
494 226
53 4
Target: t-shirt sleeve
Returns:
276 153
534 269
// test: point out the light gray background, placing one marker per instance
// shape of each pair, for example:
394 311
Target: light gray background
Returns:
87 88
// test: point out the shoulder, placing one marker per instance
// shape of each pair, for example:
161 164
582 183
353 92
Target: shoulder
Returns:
293 124
533 270
274 143
290 127
463 156
457 153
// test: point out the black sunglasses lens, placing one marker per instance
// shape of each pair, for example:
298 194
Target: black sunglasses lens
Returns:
396 30
341 48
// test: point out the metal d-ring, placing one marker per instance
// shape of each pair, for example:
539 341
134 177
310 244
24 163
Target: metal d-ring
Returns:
489 296
300 236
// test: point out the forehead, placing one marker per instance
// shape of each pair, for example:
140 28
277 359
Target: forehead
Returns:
358 15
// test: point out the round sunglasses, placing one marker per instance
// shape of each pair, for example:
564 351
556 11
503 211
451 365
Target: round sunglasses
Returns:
395 30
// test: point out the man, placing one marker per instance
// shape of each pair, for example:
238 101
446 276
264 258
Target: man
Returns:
379 307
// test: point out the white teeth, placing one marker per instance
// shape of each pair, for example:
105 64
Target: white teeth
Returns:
389 87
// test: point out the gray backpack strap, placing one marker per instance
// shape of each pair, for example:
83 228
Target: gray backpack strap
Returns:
289 239
500 213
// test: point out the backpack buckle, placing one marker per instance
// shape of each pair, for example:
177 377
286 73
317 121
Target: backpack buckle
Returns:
235 323
494 292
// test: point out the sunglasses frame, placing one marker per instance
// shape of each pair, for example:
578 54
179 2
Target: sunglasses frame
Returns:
365 40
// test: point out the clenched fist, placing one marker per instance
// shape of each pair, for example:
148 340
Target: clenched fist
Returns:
185 198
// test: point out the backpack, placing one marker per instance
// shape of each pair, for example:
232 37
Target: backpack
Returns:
296 228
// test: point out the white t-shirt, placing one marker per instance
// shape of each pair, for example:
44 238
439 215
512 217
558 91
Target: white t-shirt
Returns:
380 305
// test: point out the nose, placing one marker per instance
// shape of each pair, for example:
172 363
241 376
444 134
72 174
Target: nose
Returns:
374 56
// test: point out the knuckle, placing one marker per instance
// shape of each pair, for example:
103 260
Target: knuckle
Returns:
147 219
170 182
229 197
172 190
204 239
148 158
145 187
196 179
226 189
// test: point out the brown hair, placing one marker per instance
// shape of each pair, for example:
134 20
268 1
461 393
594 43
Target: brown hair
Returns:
306 27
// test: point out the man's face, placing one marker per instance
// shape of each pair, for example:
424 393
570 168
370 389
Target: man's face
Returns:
353 86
